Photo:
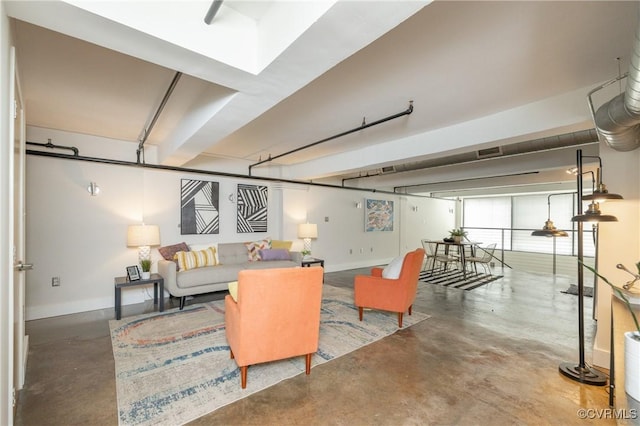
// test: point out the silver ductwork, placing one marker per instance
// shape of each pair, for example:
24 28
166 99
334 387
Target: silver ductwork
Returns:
618 121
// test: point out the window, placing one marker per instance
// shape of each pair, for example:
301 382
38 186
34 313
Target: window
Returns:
509 220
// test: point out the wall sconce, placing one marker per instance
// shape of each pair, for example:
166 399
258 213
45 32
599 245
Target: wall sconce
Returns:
414 208
232 198
93 189
358 204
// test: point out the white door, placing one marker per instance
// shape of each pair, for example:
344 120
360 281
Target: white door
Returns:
20 346
20 265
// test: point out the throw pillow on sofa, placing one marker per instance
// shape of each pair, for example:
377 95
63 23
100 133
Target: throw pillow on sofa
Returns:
199 247
168 252
196 259
275 254
280 244
254 247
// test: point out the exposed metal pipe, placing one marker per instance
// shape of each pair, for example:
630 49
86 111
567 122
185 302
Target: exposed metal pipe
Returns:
205 172
52 146
165 99
213 10
396 188
618 121
363 126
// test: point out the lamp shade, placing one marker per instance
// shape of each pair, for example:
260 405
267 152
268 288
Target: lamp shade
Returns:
143 235
307 230
593 215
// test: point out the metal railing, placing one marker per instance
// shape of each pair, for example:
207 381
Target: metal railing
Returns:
521 240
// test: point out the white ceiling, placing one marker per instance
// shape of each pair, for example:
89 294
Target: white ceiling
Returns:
480 74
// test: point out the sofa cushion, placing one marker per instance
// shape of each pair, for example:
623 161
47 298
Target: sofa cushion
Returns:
209 275
279 244
254 247
274 254
271 264
196 259
168 252
232 253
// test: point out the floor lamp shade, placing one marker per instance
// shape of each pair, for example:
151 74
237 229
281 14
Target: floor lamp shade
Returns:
143 237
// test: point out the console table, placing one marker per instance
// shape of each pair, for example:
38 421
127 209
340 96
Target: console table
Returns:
158 290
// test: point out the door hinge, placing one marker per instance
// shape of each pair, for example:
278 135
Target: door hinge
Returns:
13 397
15 109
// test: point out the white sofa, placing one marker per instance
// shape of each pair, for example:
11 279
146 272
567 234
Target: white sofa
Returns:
232 258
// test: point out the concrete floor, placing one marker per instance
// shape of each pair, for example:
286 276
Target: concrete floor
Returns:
487 356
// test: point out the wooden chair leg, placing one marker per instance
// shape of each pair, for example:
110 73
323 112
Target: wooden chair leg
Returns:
399 319
410 307
243 376
308 364
360 311
231 353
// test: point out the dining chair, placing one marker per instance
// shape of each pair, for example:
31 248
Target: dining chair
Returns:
430 254
484 259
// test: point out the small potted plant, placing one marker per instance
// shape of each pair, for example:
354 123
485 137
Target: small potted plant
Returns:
145 264
306 254
631 338
457 234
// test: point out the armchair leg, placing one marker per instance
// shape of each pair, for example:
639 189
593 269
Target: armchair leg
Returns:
399 319
360 311
410 307
182 300
243 376
231 354
308 364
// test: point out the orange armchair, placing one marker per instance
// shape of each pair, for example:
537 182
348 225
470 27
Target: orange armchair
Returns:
394 295
276 316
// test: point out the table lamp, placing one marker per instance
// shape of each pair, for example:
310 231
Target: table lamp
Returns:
143 237
307 231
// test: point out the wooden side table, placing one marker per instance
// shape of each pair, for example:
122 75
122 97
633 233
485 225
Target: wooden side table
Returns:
158 290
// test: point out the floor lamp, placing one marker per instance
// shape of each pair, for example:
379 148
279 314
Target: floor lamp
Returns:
581 372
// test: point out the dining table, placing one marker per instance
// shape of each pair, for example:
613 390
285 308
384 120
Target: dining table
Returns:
460 246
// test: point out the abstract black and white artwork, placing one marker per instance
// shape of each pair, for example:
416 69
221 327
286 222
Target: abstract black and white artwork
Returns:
252 208
199 207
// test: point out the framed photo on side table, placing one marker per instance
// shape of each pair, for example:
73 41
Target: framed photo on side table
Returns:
133 273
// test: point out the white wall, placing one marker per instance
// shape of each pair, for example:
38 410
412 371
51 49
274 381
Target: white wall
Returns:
82 239
619 242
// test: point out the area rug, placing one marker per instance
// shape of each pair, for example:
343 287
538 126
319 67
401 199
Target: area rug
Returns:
173 367
457 279
573 289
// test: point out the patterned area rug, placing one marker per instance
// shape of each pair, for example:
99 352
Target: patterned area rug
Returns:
173 367
457 279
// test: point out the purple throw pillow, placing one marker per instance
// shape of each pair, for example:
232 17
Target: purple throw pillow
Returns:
275 254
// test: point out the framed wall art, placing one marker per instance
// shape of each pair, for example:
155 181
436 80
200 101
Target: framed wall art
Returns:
378 215
252 208
199 207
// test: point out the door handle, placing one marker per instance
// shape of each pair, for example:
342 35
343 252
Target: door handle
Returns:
20 266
